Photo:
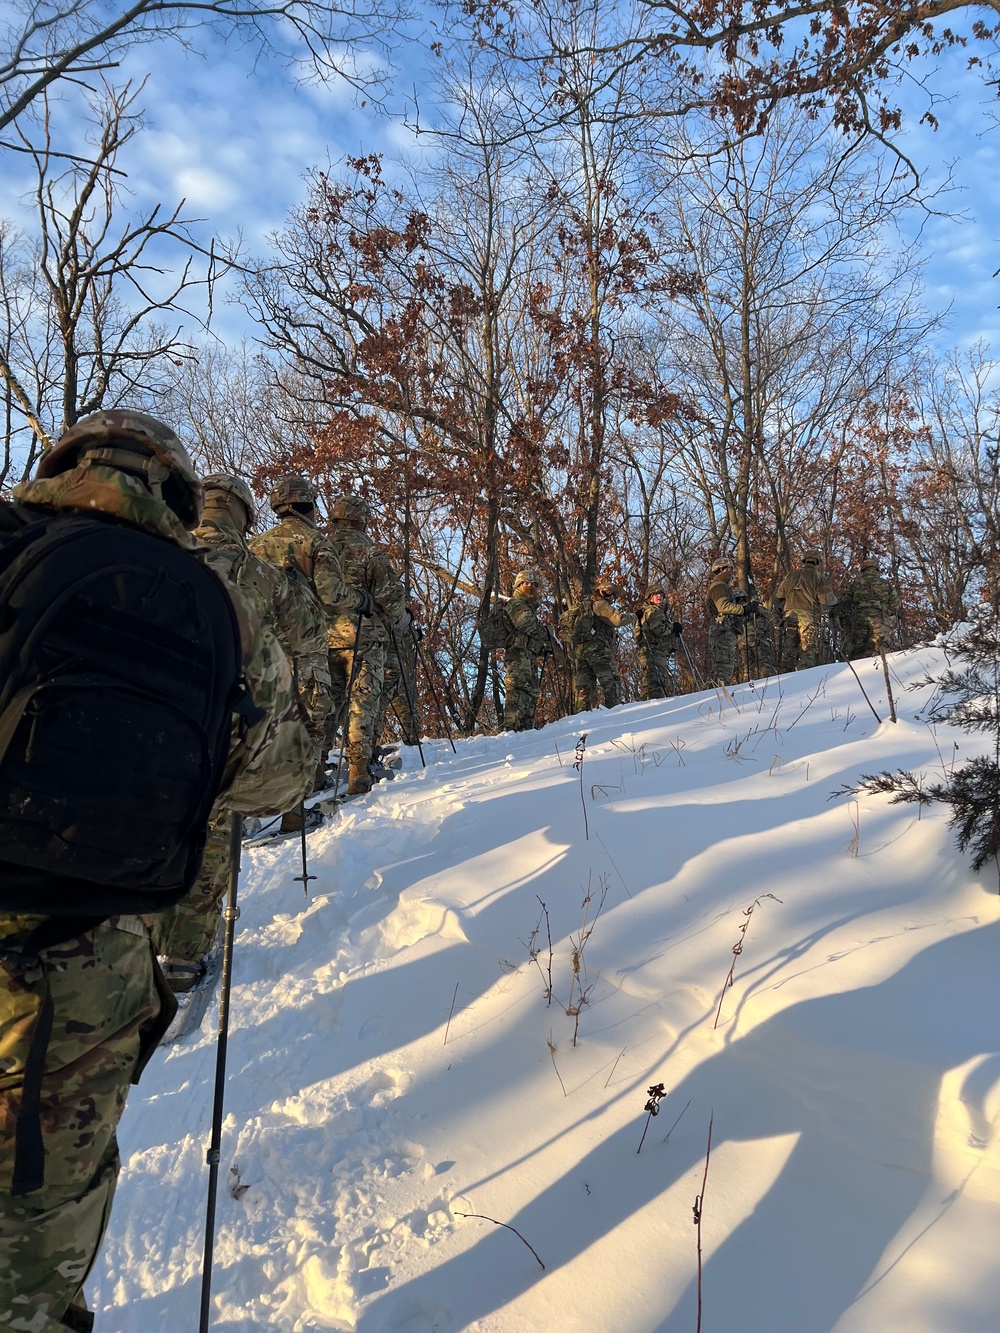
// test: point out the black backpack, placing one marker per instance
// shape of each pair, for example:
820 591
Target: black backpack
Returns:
120 668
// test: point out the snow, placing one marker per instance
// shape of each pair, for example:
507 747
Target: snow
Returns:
394 1067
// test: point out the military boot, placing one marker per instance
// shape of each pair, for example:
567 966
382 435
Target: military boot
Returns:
359 779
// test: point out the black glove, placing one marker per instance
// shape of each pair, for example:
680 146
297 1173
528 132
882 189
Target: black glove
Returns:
677 628
367 604
546 650
417 632
752 608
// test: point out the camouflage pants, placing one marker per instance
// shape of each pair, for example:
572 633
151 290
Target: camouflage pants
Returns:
364 701
722 647
865 635
317 696
657 677
756 655
108 1009
588 673
394 696
799 642
188 929
520 689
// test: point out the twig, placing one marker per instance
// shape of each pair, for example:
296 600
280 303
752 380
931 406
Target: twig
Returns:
738 949
888 684
548 932
699 1208
612 860
552 1052
854 846
483 1218
581 749
451 1013
676 1122
615 1066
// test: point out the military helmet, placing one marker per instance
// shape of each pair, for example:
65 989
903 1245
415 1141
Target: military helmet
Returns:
607 586
655 590
232 485
812 557
350 508
525 577
136 443
869 562
722 563
293 490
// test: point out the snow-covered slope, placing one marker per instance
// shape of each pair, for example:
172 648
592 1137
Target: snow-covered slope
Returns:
395 1067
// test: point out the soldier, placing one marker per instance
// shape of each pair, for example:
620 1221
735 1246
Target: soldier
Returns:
184 933
723 606
295 542
82 999
589 631
525 640
366 570
867 611
755 644
802 598
657 636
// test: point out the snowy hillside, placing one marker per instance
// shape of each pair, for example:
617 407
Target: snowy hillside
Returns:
395 1066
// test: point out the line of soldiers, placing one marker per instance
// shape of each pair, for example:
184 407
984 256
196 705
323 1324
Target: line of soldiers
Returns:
746 638
84 1000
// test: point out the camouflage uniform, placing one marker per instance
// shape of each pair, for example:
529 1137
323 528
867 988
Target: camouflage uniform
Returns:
656 643
526 638
591 629
755 649
802 598
101 987
366 567
185 932
295 543
867 612
723 627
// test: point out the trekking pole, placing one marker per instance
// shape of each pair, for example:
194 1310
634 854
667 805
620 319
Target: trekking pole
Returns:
346 713
746 646
695 676
305 877
214 1153
434 695
406 690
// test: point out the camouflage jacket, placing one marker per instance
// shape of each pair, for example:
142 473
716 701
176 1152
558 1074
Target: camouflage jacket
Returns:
607 621
295 543
868 592
804 592
270 763
654 631
280 597
526 631
366 566
721 604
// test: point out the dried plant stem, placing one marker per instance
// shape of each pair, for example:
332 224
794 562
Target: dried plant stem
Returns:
738 949
615 1066
482 1217
581 749
548 933
864 692
552 1052
676 1122
699 1208
451 1014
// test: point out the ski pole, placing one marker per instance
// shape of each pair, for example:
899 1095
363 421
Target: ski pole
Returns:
352 676
414 721
434 695
695 676
214 1150
305 877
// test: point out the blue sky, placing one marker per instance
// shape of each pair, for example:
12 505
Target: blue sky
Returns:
236 143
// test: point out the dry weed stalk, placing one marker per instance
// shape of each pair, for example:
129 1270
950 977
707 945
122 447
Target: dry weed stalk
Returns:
552 1051
615 1066
738 949
581 750
576 985
699 1209
854 846
483 1218
654 1096
451 1014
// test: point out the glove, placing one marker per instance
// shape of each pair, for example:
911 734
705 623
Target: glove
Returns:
546 651
677 628
752 608
417 632
367 603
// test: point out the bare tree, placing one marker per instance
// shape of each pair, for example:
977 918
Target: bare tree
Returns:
87 295
52 41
